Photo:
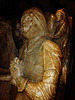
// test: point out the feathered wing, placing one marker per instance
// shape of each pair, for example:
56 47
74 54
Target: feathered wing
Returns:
52 66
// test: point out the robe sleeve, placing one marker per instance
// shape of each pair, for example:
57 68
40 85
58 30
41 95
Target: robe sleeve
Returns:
46 89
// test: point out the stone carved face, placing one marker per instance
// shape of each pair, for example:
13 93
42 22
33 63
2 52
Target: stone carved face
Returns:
32 23
26 23
60 15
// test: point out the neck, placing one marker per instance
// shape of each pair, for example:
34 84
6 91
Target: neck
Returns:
35 40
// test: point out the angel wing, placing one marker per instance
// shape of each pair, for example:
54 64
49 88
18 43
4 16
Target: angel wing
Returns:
46 89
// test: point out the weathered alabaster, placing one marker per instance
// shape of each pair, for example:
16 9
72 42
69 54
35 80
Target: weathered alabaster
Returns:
36 71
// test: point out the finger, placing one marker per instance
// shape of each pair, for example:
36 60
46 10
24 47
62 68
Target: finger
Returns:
16 60
13 82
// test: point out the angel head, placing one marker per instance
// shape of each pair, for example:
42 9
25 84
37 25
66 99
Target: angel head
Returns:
61 14
32 23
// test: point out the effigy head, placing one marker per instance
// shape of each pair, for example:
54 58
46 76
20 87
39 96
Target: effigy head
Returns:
32 22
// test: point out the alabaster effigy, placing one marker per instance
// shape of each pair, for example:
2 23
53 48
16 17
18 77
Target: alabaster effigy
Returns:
35 72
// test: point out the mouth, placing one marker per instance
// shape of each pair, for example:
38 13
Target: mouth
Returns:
25 30
26 27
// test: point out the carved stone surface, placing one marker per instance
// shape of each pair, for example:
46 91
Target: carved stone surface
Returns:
59 31
36 71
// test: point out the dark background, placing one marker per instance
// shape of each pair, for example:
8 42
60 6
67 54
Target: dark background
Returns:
13 9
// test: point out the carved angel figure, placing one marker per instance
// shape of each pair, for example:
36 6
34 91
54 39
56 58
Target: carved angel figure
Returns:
36 71
59 27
